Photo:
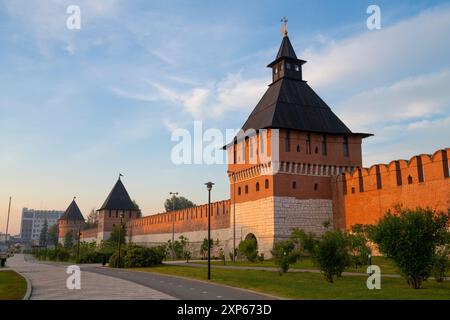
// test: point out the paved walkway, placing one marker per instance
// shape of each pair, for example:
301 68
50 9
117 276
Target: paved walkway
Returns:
99 283
49 283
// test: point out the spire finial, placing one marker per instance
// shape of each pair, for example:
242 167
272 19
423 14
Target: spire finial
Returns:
74 198
120 175
284 31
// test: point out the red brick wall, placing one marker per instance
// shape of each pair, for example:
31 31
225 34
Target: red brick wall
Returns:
89 233
66 226
363 196
192 219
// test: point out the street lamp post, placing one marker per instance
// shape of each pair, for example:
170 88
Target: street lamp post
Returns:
120 236
209 186
174 194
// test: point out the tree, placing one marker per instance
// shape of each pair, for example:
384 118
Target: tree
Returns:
204 247
118 232
331 254
284 254
92 219
68 240
441 263
177 203
359 250
136 206
411 239
184 241
249 249
53 234
305 242
43 236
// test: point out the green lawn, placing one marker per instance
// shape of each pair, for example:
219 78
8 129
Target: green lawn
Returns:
310 285
387 267
12 285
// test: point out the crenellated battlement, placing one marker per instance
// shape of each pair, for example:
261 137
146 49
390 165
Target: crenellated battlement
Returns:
185 220
419 169
363 195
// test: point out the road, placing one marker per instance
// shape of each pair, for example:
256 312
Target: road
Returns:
180 288
48 281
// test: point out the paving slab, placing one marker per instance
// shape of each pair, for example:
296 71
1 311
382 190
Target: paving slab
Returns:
48 282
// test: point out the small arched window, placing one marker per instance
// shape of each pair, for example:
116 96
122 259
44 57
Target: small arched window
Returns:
316 150
257 186
410 180
316 186
246 189
294 184
239 191
266 184
298 148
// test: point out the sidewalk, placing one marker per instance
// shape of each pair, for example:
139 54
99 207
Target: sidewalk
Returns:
49 283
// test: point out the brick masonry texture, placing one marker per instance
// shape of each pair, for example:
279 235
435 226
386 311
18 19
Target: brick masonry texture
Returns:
364 196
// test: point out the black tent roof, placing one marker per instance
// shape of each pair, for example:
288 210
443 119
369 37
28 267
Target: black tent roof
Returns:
292 104
118 199
72 213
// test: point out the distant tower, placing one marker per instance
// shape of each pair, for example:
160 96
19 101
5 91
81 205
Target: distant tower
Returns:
274 194
116 204
71 221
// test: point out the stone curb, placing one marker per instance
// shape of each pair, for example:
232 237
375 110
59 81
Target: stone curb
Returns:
29 291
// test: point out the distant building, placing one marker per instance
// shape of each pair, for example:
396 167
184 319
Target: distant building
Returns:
33 222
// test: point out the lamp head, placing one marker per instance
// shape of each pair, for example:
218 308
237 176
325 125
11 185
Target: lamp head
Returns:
209 185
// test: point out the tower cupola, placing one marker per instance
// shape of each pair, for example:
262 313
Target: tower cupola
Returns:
286 63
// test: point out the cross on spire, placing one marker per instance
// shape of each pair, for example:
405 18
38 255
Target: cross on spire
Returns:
284 31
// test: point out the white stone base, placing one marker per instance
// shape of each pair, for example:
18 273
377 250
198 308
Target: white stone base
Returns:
195 239
273 218
307 214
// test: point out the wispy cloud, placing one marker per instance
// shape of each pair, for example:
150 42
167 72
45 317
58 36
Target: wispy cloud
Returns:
416 44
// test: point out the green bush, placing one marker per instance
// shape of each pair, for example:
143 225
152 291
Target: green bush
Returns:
114 261
284 254
359 250
410 238
137 257
90 257
441 263
249 249
331 254
305 242
62 254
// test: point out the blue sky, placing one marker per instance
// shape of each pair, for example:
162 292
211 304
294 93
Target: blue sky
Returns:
78 107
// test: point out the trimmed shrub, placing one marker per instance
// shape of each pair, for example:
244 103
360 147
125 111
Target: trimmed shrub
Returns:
138 257
248 249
